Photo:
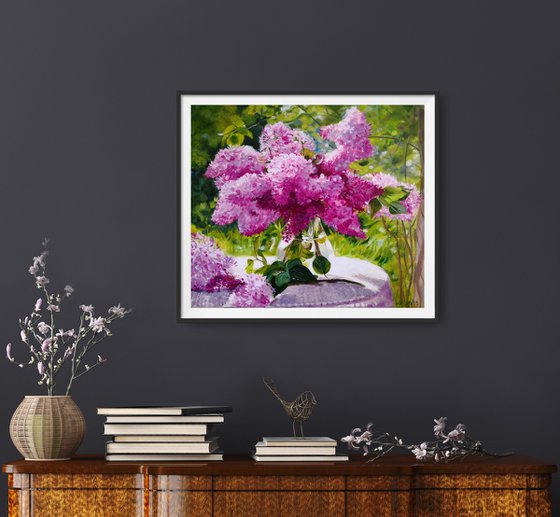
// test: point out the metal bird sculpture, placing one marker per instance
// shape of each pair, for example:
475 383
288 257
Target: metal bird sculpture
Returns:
299 410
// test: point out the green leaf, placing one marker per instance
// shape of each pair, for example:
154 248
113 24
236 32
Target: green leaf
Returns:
302 274
391 194
292 263
306 254
294 250
277 265
374 206
396 208
245 132
273 269
226 134
321 265
250 266
271 277
235 139
282 279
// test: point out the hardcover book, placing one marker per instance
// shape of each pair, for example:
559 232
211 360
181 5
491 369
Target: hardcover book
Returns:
159 429
165 457
157 438
166 419
263 450
308 441
163 410
162 448
258 457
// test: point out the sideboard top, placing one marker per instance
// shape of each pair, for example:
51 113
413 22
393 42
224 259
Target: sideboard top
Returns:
241 465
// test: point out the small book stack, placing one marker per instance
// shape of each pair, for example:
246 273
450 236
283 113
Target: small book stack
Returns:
163 433
297 449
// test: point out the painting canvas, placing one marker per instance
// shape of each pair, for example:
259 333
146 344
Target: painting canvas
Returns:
307 205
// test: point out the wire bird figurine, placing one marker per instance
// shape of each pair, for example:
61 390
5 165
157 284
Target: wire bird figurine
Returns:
299 410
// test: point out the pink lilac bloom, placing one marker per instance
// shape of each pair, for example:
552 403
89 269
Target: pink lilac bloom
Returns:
351 195
241 200
211 269
382 180
297 191
38 304
255 291
234 162
292 188
41 368
343 219
279 139
351 136
411 203
355 191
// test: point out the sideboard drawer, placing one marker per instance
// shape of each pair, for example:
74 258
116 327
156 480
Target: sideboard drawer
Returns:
252 483
279 504
75 495
482 494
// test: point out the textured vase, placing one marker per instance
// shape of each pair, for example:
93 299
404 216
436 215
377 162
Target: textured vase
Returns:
47 427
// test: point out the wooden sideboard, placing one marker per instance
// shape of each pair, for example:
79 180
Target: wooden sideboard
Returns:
238 487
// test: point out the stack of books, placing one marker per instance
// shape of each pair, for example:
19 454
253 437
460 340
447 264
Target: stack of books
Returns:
316 448
163 433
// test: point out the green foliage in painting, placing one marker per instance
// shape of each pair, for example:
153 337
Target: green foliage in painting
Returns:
281 274
321 265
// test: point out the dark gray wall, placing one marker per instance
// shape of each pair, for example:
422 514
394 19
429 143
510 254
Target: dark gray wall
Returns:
87 157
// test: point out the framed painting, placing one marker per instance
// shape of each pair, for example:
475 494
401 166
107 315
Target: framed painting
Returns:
307 205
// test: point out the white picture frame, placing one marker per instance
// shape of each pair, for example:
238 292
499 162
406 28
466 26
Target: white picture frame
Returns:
185 103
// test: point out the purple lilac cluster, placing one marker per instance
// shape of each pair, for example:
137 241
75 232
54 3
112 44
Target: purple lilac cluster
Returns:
212 270
411 203
351 137
280 139
254 291
233 163
281 182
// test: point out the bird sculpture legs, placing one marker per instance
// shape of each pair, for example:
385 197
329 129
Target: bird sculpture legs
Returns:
300 428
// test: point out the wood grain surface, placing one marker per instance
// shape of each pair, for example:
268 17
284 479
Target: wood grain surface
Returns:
239 487
242 465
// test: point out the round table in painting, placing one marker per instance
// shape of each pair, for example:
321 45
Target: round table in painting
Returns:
351 282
